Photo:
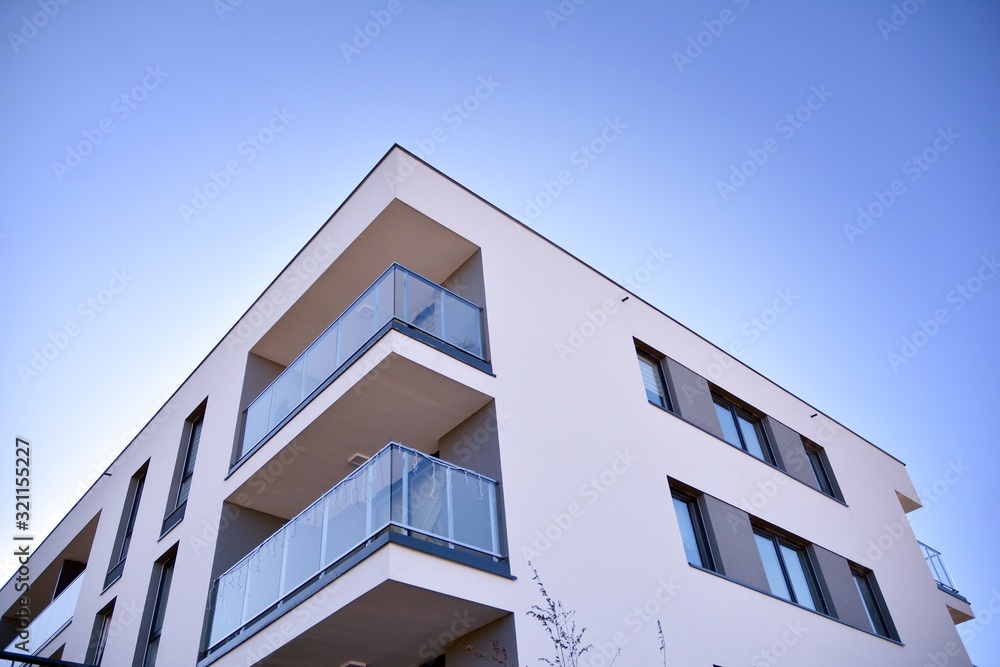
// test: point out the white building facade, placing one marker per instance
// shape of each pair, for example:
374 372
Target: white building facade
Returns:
428 397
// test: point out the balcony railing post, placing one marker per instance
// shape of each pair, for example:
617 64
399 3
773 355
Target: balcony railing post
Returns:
246 598
404 502
494 518
444 328
406 296
450 504
325 518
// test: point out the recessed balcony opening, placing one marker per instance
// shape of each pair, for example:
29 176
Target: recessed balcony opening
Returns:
396 400
399 235
52 596
399 493
399 299
335 492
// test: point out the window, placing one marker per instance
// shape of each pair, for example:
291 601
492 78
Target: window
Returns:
191 452
133 511
878 616
652 378
187 456
124 539
789 574
99 637
821 469
692 531
742 429
159 609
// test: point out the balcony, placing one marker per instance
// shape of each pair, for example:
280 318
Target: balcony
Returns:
400 297
449 510
53 619
938 569
958 606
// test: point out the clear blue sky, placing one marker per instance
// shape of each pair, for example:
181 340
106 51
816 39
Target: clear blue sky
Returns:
741 136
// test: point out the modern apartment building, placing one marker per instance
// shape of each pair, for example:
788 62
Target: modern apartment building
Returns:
426 398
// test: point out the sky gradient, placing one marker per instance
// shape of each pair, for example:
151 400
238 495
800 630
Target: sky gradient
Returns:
163 161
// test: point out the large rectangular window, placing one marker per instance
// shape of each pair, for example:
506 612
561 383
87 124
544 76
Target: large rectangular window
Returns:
871 599
652 379
742 429
692 531
159 610
788 571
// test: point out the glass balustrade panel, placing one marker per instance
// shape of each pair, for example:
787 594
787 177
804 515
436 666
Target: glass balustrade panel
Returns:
303 548
346 517
427 495
321 359
230 591
264 576
286 393
359 324
474 510
422 305
462 325
258 415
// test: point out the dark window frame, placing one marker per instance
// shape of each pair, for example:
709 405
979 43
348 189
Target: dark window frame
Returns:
698 526
192 440
737 409
655 360
99 635
187 459
133 514
126 526
163 575
822 471
812 579
877 611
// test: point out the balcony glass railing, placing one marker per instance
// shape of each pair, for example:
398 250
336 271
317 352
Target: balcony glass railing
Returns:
938 568
398 294
49 623
400 487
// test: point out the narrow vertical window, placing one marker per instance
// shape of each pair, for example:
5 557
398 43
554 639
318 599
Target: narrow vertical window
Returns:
127 526
99 636
130 521
878 617
652 379
821 469
789 574
191 454
692 532
742 429
159 609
